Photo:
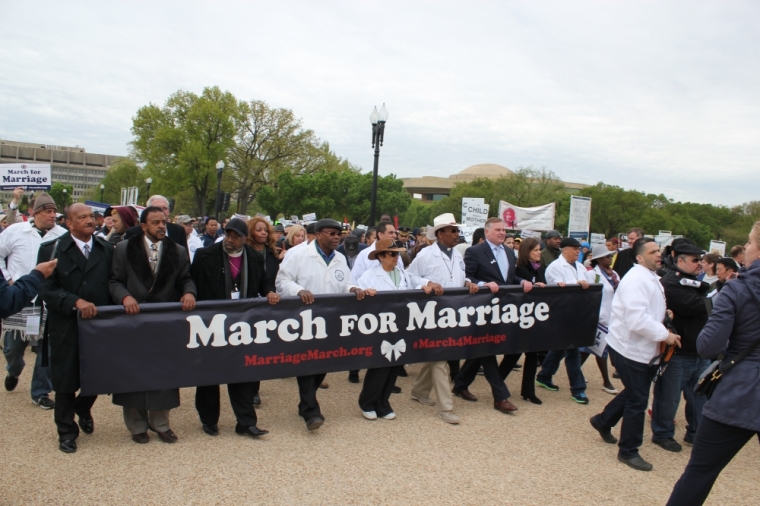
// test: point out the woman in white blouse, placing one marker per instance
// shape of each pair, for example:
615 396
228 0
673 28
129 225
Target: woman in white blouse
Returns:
385 276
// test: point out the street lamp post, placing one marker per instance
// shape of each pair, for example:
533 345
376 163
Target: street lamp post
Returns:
378 129
102 187
217 207
148 181
64 197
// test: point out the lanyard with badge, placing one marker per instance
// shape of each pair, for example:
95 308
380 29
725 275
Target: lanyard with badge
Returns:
235 294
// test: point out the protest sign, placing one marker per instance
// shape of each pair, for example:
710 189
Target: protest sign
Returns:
474 212
719 246
532 218
310 217
29 176
580 218
234 341
597 239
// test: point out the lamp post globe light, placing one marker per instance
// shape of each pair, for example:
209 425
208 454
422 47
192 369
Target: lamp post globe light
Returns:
378 120
148 182
65 191
217 206
102 187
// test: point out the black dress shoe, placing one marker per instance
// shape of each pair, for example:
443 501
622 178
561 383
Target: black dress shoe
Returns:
251 430
395 390
10 383
87 425
315 422
69 446
605 433
636 462
256 400
353 378
140 438
402 372
211 430
517 366
532 398
167 437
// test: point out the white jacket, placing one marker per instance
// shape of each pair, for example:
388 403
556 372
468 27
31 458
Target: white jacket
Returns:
608 293
193 243
19 245
377 278
563 271
638 310
431 264
304 269
363 263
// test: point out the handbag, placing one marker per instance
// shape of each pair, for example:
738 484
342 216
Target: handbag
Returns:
709 379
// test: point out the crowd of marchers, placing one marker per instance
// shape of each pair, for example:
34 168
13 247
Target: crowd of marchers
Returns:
665 315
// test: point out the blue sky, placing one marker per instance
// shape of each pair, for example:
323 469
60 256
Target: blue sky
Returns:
657 96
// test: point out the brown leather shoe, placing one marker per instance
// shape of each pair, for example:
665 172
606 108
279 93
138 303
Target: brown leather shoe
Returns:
141 438
464 394
504 406
167 437
324 385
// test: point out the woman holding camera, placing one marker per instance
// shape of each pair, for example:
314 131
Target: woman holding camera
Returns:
731 416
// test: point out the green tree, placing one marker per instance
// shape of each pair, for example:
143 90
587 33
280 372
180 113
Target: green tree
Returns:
124 173
181 142
62 200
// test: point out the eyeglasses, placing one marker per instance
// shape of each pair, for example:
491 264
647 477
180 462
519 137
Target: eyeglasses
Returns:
332 233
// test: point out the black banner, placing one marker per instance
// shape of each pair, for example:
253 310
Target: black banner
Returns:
234 341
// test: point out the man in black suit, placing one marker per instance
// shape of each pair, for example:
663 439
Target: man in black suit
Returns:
175 232
150 268
231 270
489 264
78 285
625 259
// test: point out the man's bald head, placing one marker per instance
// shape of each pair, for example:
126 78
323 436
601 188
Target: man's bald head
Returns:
81 221
77 207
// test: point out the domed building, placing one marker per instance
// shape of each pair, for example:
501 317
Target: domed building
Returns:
433 188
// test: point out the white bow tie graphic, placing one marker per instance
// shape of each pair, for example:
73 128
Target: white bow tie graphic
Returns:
389 349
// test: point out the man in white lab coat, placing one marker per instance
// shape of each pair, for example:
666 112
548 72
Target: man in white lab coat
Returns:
566 270
636 332
442 264
385 230
316 269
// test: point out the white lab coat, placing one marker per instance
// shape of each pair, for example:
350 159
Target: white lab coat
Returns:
377 278
431 264
304 269
19 245
638 310
561 270
608 293
193 243
363 263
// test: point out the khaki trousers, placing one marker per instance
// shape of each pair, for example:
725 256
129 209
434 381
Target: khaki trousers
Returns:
137 420
435 376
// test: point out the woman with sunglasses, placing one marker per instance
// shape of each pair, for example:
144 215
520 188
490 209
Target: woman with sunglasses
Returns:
374 399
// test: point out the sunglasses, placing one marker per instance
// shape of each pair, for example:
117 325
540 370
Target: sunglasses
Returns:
331 233
391 253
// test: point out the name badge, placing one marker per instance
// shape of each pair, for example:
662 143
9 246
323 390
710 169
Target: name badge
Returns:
235 295
33 325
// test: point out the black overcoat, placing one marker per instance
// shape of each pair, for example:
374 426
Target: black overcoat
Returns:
209 271
131 275
75 277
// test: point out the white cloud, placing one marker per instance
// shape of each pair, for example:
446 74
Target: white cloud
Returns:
661 97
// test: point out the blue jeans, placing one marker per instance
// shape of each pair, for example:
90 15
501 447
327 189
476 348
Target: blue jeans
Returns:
630 404
681 375
572 364
13 349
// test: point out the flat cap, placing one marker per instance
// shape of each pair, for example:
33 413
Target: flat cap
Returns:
569 241
328 223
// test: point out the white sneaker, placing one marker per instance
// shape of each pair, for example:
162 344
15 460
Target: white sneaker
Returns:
611 391
390 416
449 417
369 415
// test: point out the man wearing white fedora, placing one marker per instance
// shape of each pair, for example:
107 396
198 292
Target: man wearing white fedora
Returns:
442 264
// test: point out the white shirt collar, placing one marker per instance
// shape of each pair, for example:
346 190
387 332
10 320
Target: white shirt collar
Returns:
81 244
495 246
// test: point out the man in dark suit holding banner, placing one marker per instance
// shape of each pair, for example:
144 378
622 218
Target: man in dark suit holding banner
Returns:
79 284
489 264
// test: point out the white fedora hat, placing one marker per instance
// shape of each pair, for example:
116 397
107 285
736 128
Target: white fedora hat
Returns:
442 221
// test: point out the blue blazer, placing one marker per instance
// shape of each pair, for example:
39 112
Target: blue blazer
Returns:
481 265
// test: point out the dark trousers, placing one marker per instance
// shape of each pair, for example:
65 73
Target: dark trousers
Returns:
376 391
454 369
572 358
630 404
491 371
66 405
307 390
256 385
241 400
714 446
680 377
530 366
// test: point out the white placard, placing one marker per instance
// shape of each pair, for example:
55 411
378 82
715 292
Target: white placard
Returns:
29 176
310 217
526 234
474 212
532 218
719 246
598 239
294 219
467 232
580 217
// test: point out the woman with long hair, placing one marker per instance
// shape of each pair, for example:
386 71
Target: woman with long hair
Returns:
528 267
122 219
732 414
